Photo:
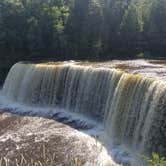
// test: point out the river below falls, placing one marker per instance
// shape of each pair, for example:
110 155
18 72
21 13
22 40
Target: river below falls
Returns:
25 130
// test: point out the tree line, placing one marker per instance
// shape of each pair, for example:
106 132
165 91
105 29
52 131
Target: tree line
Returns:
82 29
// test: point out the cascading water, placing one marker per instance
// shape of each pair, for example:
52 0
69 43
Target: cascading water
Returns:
132 107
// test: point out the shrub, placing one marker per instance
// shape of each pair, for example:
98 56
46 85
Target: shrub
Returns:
156 160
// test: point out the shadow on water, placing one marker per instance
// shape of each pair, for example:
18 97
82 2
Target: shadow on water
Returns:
59 116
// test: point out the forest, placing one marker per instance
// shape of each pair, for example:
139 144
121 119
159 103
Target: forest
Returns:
81 29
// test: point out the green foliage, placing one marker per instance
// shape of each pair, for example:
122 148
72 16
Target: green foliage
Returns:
76 29
155 161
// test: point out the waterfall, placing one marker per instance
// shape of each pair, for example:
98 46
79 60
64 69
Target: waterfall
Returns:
131 107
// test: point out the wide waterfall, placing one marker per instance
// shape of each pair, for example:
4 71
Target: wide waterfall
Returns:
131 107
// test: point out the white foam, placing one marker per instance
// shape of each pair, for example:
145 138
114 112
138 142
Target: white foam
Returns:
118 152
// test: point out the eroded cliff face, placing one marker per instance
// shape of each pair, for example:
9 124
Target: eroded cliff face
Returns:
39 139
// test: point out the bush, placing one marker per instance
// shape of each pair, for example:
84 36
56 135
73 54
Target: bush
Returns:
156 160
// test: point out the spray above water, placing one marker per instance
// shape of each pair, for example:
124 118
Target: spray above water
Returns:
131 107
